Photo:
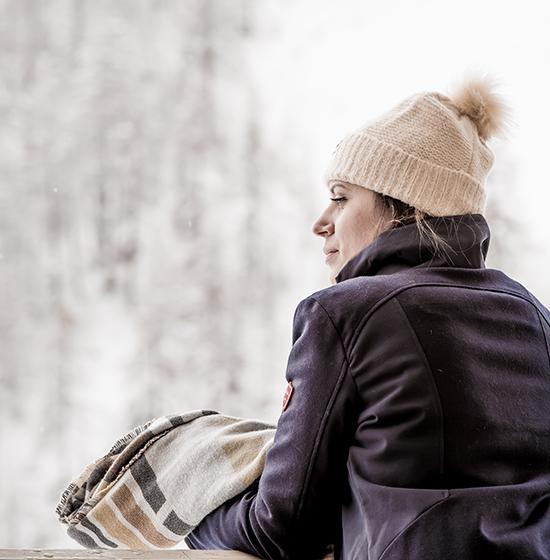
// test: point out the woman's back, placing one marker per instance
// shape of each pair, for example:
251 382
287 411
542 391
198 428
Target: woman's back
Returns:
451 452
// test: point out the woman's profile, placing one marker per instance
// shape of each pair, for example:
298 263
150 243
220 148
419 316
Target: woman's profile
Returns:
416 421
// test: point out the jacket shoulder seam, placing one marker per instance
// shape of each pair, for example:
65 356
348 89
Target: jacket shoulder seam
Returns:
400 289
333 326
346 357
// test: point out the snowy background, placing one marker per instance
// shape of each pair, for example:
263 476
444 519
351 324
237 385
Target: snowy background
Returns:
161 167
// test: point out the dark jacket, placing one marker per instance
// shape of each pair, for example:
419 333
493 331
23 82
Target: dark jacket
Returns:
419 425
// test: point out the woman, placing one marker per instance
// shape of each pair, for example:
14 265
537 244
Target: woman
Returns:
416 421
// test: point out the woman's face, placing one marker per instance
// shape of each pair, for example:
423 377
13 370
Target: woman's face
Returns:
350 222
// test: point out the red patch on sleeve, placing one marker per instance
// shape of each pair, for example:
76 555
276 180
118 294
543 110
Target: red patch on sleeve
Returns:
287 395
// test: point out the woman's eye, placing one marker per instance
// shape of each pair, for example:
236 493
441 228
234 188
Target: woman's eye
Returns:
339 199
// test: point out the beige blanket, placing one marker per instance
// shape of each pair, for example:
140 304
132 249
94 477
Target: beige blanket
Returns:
161 479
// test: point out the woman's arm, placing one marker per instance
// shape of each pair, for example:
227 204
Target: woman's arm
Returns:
294 510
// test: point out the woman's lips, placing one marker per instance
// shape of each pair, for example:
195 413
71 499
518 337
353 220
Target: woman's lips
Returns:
330 255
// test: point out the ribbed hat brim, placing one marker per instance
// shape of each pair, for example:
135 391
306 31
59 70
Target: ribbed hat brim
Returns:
366 161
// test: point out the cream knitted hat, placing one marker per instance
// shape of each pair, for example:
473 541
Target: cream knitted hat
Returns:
429 151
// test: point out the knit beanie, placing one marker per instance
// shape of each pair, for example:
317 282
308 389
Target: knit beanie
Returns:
429 151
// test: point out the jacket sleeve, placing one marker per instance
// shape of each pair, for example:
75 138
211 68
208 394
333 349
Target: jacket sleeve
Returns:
293 511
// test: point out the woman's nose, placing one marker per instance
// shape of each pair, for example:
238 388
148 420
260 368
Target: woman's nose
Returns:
322 226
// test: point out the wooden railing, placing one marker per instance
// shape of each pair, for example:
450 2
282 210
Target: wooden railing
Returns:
106 554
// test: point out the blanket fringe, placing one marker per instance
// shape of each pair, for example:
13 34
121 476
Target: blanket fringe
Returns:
62 505
122 442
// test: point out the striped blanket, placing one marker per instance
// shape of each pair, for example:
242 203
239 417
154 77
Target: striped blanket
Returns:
161 479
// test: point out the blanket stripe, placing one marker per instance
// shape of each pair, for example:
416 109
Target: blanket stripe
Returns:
147 481
131 511
86 523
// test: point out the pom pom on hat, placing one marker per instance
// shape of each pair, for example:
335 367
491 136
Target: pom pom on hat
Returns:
476 99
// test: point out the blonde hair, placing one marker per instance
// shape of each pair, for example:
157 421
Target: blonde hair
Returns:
402 214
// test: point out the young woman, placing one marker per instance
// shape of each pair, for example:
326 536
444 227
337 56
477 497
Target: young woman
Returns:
416 421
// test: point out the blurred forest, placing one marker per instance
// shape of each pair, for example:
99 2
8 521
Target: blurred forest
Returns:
155 237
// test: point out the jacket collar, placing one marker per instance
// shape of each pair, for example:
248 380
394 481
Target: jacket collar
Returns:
396 249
